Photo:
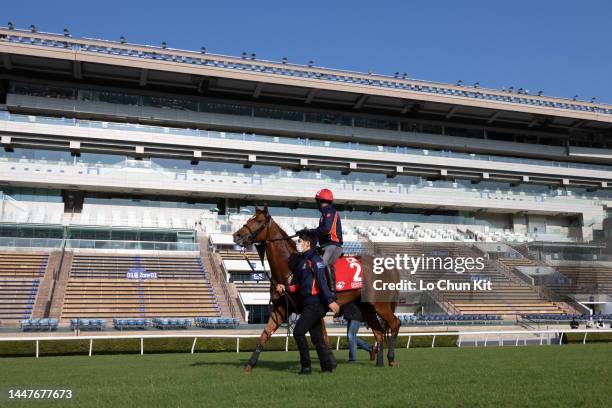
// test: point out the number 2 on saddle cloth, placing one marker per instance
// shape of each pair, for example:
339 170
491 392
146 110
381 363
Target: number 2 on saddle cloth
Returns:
349 274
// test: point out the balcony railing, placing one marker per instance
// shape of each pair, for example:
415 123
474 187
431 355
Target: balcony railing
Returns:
294 141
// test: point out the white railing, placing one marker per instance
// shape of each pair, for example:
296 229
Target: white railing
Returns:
17 242
544 337
130 245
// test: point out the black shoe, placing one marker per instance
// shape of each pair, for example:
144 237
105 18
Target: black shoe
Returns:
305 370
332 359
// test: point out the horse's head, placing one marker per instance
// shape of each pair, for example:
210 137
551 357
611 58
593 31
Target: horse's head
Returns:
254 229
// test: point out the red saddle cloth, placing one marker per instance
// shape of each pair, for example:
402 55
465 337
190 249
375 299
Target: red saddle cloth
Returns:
349 274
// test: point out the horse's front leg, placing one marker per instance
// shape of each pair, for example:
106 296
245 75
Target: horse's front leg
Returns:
277 317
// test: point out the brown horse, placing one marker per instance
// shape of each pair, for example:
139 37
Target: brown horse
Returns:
279 248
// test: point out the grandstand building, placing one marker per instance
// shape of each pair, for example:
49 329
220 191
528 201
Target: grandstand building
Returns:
120 159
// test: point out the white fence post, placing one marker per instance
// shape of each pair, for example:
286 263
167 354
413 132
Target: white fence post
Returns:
141 346
193 345
36 348
90 346
237 344
433 341
408 343
585 336
337 343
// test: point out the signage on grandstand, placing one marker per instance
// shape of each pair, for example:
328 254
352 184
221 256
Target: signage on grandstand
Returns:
257 276
140 273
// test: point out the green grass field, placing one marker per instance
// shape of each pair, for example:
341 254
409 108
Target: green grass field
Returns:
568 375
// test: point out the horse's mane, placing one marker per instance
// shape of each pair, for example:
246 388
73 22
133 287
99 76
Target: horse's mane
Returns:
288 241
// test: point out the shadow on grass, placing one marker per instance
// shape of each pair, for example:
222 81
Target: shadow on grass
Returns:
274 365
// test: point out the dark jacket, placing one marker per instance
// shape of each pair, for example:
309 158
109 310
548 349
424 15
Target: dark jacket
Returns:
309 274
351 312
330 227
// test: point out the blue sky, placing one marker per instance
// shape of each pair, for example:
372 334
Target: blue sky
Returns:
561 47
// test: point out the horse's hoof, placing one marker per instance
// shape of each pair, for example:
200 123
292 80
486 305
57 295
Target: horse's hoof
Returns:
248 368
392 364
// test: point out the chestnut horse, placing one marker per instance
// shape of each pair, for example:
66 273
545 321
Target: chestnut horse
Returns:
279 247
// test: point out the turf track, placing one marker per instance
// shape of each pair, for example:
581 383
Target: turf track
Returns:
568 375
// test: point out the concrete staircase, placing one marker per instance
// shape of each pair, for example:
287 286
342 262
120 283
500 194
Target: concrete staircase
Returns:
61 282
228 300
508 266
43 298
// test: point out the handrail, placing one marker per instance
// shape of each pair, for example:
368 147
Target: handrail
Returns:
444 301
220 281
56 273
437 296
11 200
542 291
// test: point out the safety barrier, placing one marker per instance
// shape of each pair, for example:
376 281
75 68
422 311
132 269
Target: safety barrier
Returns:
544 337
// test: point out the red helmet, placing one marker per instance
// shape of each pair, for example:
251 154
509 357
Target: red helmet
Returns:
325 195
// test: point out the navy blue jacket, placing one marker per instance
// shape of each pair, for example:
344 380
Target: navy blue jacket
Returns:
330 227
310 276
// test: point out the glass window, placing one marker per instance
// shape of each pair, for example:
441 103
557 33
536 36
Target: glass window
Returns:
170 103
225 108
329 118
282 114
98 158
376 123
464 132
44 91
432 129
116 97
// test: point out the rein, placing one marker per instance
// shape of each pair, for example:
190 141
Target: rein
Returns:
260 245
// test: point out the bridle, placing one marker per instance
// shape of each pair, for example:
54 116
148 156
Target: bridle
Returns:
253 234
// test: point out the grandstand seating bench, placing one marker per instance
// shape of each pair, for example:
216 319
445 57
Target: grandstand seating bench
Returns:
87 324
564 318
217 322
39 324
444 319
172 323
131 323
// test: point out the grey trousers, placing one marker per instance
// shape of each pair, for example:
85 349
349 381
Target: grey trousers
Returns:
331 253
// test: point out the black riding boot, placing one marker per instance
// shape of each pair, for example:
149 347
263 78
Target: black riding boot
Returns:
330 271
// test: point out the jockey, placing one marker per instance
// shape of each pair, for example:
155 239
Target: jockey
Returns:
329 233
317 298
